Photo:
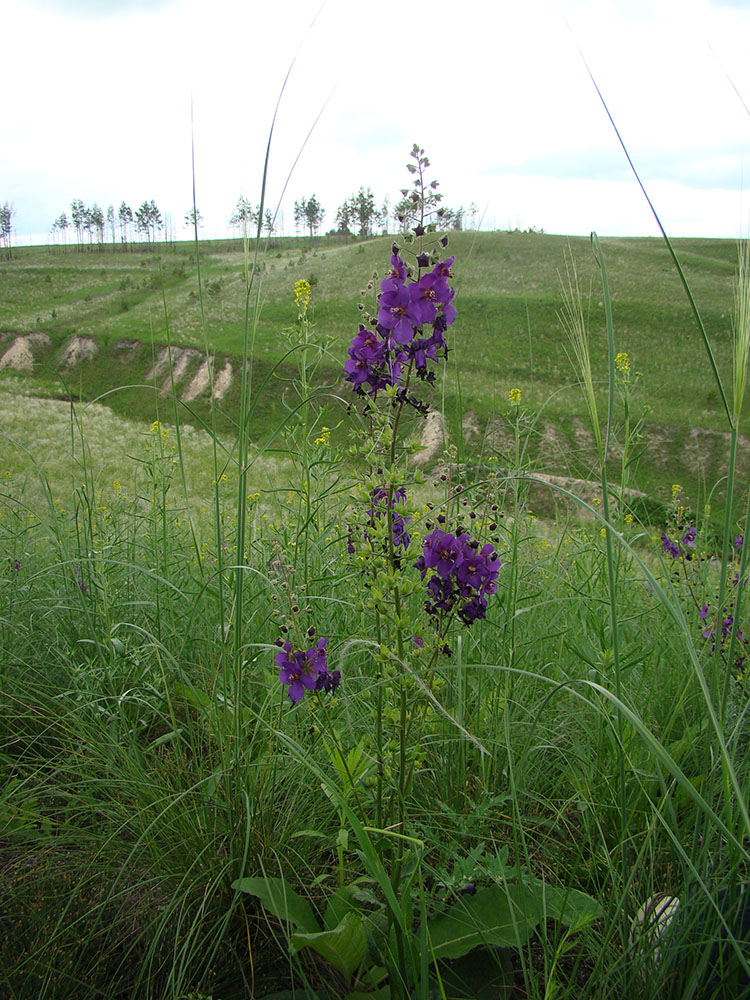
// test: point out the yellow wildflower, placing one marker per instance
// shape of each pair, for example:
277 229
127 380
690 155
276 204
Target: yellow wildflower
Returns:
514 395
622 362
302 293
325 436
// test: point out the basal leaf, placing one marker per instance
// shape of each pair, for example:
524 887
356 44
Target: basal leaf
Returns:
500 916
571 907
278 897
344 947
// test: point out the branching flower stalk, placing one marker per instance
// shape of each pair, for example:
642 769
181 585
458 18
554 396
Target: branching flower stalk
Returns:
398 344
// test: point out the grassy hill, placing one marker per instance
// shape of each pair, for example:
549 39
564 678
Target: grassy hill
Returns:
508 334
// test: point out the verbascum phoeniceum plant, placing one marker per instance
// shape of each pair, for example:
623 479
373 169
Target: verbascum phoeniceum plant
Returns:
425 572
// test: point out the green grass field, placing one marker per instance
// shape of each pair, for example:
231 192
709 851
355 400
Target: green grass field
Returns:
509 335
285 717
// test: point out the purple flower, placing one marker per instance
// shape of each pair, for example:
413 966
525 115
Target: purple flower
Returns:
461 571
396 276
473 609
669 546
398 314
370 363
306 671
80 582
689 537
703 613
443 268
442 552
440 595
479 570
424 295
738 539
328 682
421 349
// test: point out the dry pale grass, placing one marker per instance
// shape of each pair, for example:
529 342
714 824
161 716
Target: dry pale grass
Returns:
46 438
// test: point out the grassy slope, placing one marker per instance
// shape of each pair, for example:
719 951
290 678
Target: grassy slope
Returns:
508 333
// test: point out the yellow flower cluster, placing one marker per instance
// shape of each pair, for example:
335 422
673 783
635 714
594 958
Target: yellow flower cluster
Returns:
675 490
622 362
515 397
301 293
325 436
157 428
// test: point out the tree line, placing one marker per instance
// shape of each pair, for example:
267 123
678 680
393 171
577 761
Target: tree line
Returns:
359 215
90 226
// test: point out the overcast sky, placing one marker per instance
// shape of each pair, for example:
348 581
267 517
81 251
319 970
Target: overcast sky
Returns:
97 105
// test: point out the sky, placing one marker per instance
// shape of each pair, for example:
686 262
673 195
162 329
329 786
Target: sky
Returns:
104 100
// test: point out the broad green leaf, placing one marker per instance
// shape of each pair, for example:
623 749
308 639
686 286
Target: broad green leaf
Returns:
341 902
505 917
571 907
344 947
278 897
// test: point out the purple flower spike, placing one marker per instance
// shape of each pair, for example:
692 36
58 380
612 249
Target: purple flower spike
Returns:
407 308
738 539
689 537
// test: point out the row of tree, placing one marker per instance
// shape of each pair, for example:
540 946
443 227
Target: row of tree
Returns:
358 215
91 225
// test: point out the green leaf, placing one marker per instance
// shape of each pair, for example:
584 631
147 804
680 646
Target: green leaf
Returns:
278 897
571 907
339 904
505 917
344 947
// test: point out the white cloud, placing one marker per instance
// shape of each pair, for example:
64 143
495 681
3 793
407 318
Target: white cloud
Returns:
497 94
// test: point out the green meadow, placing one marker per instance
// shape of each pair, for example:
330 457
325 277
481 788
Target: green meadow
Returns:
508 290
304 696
